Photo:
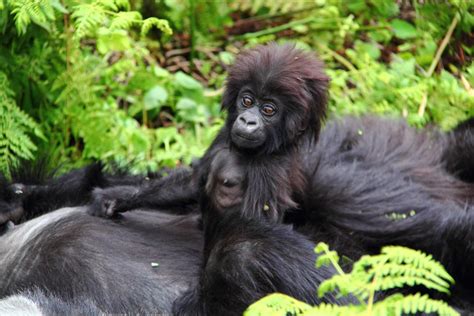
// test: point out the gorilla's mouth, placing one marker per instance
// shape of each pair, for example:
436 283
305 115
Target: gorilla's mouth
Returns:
247 137
245 140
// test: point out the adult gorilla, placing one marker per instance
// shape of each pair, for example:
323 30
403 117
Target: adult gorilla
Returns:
68 261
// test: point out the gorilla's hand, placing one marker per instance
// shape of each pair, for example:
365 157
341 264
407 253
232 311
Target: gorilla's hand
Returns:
111 201
8 214
11 203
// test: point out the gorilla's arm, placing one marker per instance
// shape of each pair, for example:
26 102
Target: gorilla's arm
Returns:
29 195
175 193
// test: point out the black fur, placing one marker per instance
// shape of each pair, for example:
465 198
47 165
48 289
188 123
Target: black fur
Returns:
367 183
35 190
459 153
345 190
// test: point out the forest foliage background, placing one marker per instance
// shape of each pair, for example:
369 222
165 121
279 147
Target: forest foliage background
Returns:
138 83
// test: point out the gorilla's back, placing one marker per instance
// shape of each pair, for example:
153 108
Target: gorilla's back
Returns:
140 262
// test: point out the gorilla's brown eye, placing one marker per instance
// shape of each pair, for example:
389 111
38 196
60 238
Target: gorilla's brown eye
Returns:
268 110
247 101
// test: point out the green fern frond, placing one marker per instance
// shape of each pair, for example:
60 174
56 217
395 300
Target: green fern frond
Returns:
417 259
392 270
122 5
40 12
87 17
392 282
276 6
398 304
277 304
108 4
15 127
160 24
357 285
395 267
125 20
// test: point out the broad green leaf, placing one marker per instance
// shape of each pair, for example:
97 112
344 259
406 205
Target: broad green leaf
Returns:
370 49
155 97
403 29
186 104
116 40
187 81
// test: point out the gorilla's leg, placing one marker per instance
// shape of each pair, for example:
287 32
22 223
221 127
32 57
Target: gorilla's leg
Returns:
247 260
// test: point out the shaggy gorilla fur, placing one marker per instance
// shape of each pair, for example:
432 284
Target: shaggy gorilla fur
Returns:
368 182
360 171
350 190
458 156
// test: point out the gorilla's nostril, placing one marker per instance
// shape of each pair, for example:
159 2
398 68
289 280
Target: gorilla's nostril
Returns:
252 123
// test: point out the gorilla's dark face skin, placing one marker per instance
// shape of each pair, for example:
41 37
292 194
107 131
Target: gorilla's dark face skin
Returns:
255 117
275 97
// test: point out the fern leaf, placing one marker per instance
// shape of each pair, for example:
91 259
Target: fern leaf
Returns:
125 20
412 304
123 5
160 24
15 127
108 5
417 259
277 304
396 270
87 17
40 12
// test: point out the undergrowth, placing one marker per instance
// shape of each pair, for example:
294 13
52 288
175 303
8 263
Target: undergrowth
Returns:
138 83
395 268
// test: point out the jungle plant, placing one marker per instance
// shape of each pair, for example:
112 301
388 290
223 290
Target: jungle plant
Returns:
395 268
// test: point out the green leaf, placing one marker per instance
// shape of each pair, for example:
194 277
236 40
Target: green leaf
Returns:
155 97
186 104
187 81
116 40
139 140
403 29
226 58
125 20
370 49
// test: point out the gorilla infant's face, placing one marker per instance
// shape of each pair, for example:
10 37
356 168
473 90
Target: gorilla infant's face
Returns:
257 116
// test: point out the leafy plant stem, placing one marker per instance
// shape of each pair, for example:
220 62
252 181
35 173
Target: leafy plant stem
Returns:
334 263
341 59
275 29
443 45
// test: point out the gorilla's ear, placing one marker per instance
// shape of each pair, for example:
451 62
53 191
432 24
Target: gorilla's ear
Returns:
229 96
317 100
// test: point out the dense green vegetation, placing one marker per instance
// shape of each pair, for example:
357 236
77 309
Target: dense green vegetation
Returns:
395 268
138 83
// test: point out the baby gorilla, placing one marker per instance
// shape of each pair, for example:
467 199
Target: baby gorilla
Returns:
276 98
